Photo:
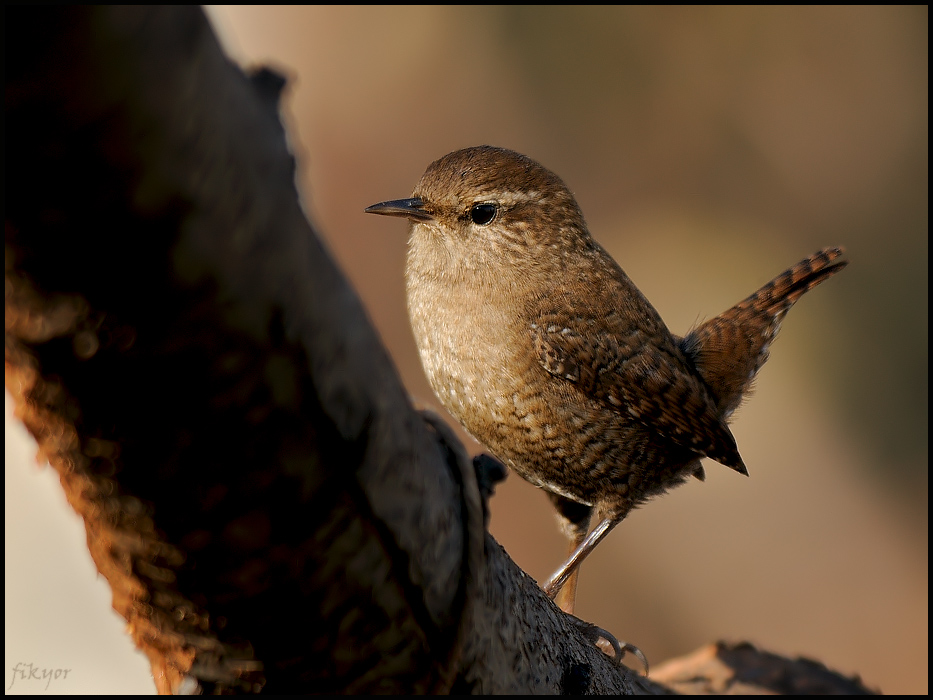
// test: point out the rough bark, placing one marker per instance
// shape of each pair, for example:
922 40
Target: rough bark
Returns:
268 509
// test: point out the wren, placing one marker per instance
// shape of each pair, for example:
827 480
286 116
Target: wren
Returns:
538 343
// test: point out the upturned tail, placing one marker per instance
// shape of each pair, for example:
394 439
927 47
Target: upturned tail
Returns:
729 350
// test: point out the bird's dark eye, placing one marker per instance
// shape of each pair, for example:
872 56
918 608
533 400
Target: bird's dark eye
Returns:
482 214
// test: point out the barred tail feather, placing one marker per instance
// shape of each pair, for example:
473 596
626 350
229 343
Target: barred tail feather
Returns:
728 350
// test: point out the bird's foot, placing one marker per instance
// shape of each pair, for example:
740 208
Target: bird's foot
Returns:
603 640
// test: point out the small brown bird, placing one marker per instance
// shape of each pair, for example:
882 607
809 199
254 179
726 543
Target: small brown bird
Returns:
533 337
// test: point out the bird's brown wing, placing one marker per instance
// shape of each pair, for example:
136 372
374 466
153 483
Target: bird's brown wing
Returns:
638 374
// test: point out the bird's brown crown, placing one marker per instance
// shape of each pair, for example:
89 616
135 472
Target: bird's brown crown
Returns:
520 188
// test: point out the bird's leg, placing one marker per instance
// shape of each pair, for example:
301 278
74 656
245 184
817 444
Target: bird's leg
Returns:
567 595
569 567
562 587
575 523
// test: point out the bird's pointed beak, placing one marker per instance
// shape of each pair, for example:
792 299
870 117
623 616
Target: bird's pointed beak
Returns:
409 208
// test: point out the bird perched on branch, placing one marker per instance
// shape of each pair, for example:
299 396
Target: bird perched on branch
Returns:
533 337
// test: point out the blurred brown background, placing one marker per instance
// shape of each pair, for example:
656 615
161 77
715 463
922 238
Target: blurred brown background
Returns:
710 149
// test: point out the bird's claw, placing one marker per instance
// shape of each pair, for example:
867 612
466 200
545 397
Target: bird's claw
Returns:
593 634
